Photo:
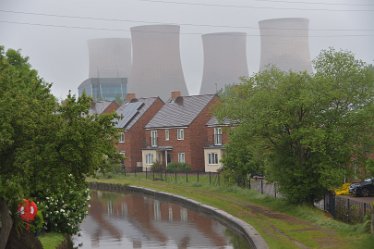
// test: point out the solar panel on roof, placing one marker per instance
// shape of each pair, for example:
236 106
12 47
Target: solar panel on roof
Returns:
129 111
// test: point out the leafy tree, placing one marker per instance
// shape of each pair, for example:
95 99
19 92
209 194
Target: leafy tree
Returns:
306 130
43 142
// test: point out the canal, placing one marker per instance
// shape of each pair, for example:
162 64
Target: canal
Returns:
135 220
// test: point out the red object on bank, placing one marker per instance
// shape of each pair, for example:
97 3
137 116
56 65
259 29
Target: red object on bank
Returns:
27 210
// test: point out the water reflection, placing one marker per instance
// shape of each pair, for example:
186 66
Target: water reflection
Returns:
134 220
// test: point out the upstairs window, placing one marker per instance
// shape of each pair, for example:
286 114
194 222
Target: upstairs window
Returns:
218 136
121 137
180 134
154 138
167 135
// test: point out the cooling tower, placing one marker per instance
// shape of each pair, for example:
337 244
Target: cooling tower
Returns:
109 58
225 60
284 44
156 66
109 69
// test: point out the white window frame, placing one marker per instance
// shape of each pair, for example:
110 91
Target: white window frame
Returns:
149 159
218 136
180 134
181 157
153 138
213 158
167 135
121 138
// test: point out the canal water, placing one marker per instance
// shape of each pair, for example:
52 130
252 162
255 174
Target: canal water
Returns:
135 220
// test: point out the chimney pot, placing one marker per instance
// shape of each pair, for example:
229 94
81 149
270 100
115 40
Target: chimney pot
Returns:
130 96
175 94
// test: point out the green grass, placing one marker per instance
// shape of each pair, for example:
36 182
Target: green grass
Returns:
281 224
51 240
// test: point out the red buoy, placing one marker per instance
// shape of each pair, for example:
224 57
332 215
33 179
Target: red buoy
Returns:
27 210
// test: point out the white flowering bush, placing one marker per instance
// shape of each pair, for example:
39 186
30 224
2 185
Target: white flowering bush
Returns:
65 207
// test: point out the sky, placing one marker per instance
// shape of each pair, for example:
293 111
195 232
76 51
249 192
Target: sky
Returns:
54 33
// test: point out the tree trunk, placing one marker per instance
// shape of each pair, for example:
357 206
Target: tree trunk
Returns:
6 224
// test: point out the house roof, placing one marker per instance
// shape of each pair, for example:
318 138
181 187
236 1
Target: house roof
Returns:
225 122
129 113
99 107
180 112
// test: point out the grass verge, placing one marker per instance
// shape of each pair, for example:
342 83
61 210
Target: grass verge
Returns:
282 225
51 240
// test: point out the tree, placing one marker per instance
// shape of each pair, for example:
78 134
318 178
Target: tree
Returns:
42 141
307 130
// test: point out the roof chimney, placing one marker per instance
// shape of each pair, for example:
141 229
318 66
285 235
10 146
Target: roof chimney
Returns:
130 97
175 94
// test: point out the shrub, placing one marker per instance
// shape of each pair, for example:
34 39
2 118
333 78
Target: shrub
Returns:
65 207
157 167
178 167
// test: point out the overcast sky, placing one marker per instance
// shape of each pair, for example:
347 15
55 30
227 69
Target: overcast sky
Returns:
54 33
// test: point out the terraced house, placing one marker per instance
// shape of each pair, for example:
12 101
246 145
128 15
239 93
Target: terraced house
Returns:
133 116
177 133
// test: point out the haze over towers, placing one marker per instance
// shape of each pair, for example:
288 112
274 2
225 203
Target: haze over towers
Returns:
155 68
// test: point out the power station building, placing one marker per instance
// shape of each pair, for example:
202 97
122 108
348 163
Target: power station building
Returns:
225 60
285 44
109 69
156 65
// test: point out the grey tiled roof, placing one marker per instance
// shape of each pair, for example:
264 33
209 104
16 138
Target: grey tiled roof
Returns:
99 107
214 122
129 113
180 112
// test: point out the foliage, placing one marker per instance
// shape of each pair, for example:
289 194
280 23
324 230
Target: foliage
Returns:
42 142
157 167
304 130
51 240
178 167
65 206
370 167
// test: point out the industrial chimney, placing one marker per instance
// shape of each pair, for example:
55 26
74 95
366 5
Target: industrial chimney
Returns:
109 69
225 60
156 66
284 44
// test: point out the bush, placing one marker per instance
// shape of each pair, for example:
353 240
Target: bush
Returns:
157 167
178 167
65 207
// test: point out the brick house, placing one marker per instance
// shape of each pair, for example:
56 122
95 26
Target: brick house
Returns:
133 116
177 133
218 135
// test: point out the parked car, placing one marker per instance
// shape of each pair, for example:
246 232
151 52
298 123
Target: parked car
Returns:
364 188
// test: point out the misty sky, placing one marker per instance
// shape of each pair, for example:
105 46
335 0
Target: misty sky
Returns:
54 33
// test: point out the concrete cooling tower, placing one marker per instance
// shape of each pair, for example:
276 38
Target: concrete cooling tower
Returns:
109 69
109 58
157 68
284 44
225 60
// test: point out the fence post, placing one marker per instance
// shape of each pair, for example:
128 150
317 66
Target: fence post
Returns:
219 182
146 172
348 209
210 178
262 186
275 190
